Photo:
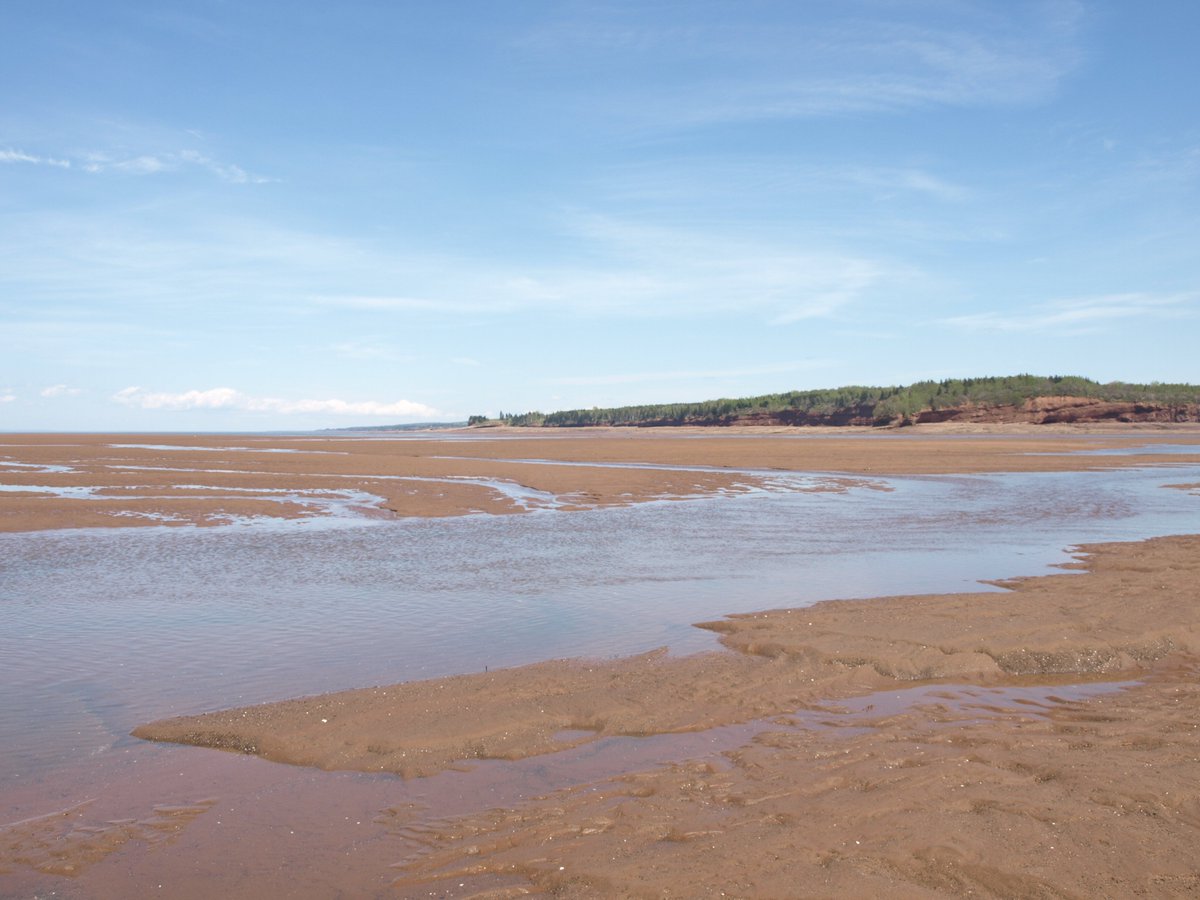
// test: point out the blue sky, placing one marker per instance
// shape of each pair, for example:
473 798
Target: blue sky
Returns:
256 215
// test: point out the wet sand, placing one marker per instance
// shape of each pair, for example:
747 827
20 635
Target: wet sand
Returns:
87 481
802 764
1062 799
1072 798
1110 623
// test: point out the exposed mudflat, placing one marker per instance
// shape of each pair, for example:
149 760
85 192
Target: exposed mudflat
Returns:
1064 798
88 481
937 798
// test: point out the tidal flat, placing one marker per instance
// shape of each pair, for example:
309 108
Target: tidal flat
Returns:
547 717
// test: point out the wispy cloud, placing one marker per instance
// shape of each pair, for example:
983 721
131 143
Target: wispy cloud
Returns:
156 163
609 266
225 398
19 156
828 60
688 375
97 266
466 361
7 396
60 390
225 171
377 303
137 165
172 161
1082 314
1178 166
764 184
639 271
680 271
902 180
365 350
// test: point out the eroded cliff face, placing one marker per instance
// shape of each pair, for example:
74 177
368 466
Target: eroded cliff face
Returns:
1051 410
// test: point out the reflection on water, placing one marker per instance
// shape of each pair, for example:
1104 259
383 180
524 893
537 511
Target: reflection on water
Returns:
103 629
33 468
1133 450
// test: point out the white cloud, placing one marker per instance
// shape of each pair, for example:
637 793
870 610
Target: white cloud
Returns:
466 361
231 399
140 165
214 398
18 156
1082 314
60 390
7 396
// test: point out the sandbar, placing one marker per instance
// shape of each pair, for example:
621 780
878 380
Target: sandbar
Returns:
1072 797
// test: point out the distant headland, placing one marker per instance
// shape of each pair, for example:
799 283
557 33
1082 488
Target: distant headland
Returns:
1027 399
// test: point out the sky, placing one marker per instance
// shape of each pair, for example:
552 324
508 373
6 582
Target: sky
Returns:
260 215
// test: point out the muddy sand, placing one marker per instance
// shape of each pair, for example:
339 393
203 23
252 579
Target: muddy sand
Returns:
88 481
1069 796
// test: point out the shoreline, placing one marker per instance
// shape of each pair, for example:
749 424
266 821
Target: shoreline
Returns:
952 793
773 663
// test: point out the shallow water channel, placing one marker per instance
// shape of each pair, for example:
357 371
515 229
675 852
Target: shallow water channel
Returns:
103 629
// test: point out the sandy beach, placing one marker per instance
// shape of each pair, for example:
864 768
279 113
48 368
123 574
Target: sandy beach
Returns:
1039 741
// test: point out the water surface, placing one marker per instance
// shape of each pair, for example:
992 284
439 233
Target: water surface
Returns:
103 629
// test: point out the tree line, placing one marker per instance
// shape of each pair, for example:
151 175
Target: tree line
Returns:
857 404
